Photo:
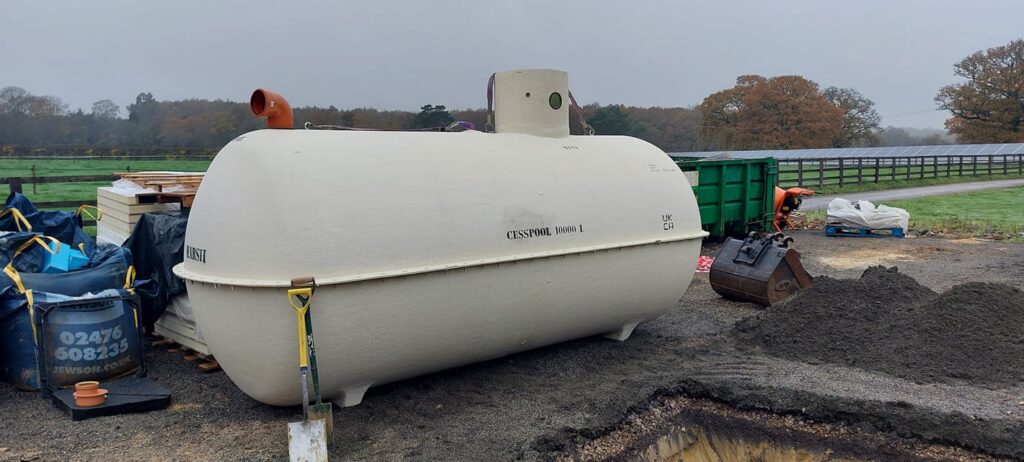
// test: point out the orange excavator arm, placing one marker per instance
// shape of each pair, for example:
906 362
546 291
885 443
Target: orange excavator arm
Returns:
786 201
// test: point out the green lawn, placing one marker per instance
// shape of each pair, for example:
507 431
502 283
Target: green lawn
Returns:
20 167
84 191
854 187
994 213
53 192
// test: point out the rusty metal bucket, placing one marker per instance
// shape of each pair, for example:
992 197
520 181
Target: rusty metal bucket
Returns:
759 269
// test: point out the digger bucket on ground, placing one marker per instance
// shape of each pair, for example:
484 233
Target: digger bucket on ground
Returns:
758 269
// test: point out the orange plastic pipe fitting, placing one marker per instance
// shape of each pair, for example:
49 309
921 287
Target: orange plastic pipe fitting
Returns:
265 103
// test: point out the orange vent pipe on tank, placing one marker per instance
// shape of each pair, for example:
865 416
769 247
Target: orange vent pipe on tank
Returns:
265 103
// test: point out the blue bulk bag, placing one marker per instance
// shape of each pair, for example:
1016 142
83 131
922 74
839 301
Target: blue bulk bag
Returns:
21 215
88 337
30 257
112 270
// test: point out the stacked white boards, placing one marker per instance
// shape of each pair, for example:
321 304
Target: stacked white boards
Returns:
121 210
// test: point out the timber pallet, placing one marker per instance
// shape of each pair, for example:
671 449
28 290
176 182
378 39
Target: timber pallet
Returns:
205 363
185 185
856 231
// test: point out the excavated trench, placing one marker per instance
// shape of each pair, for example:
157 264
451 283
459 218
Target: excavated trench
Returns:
682 429
919 362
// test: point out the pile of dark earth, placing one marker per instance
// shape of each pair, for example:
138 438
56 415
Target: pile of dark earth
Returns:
888 322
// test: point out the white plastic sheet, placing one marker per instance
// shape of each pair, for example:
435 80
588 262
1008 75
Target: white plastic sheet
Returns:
128 188
867 215
181 306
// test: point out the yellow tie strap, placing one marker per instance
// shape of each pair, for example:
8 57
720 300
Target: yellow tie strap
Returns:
19 219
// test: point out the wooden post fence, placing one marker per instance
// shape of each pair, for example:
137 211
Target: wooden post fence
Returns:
838 171
821 173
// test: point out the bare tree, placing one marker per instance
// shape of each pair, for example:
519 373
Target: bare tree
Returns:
13 100
106 109
45 106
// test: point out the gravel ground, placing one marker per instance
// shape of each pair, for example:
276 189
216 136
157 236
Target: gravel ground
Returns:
551 402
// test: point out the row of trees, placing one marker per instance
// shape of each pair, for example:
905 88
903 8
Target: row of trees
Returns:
210 124
784 112
24 120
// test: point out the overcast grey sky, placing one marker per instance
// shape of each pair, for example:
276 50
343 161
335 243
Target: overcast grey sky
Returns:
401 55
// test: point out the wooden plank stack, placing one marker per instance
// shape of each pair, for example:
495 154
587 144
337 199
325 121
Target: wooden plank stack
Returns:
122 207
206 362
169 187
121 210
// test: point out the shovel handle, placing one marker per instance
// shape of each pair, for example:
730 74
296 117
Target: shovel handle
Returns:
303 296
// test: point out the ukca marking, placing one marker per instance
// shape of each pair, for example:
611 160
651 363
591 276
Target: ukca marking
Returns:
666 222
546 231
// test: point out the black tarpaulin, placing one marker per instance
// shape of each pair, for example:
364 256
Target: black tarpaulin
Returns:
157 244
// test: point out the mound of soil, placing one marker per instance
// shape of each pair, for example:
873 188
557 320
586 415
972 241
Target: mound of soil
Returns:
888 322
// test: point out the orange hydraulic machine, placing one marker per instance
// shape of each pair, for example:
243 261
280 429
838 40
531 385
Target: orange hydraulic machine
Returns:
786 201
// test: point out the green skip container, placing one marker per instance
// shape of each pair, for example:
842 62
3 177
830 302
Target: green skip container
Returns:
735 196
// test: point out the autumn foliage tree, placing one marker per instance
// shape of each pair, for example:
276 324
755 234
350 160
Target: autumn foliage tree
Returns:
785 112
989 106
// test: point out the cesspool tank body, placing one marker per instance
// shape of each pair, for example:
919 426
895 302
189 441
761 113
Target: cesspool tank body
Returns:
433 250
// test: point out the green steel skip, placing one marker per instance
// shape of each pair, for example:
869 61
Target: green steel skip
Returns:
735 196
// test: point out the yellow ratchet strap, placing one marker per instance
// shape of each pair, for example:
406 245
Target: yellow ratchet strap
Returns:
129 277
19 219
13 273
32 315
98 214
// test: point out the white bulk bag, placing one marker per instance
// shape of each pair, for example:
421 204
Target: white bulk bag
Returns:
865 214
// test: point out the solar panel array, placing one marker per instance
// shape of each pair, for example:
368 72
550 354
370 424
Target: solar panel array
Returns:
892 151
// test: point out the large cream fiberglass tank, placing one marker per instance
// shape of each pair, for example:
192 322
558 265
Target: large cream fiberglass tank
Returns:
432 250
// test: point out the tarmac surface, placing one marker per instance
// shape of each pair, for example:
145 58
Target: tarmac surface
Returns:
552 402
821 202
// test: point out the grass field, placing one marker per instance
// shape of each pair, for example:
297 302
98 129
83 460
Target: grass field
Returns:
52 192
912 183
20 167
994 213
82 191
